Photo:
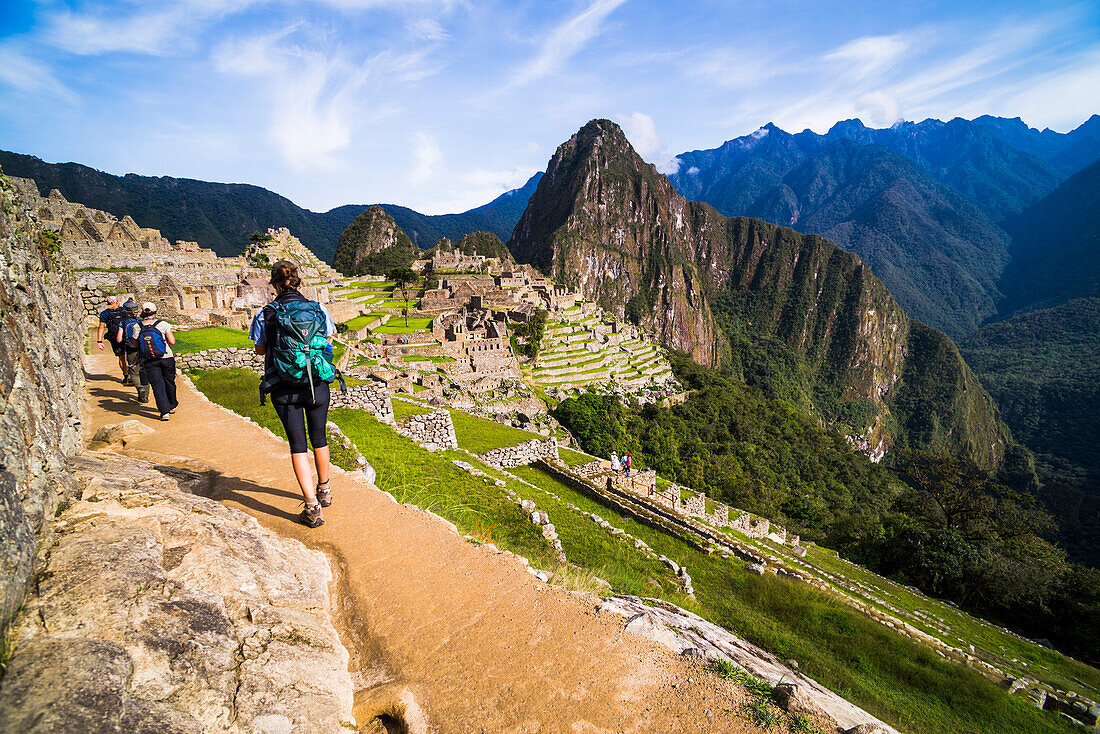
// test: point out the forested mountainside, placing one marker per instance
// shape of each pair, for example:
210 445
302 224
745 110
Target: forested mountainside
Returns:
1055 247
792 313
221 216
939 255
373 244
940 250
1042 369
1067 153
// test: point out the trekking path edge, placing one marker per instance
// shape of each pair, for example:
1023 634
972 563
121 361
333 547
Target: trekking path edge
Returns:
443 635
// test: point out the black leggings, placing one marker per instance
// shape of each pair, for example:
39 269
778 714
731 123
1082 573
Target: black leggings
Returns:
297 410
160 374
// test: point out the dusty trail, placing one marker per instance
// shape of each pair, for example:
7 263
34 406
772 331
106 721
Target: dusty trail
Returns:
464 634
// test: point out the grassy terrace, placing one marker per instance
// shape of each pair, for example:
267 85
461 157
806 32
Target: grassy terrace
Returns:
901 681
237 389
211 337
396 325
424 358
574 458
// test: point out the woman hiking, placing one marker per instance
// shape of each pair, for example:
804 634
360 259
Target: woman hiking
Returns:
300 401
154 340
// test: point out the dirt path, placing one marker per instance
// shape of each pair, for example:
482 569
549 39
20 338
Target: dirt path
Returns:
436 625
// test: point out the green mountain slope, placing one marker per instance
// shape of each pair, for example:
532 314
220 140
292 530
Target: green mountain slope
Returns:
221 216
1056 247
1042 370
373 244
790 312
939 255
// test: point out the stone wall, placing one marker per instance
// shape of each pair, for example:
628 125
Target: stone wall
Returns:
371 397
41 388
525 453
220 359
434 431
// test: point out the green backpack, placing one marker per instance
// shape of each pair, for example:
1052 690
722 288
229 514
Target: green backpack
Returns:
300 353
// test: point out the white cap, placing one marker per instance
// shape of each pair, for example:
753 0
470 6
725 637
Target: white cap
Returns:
149 306
112 300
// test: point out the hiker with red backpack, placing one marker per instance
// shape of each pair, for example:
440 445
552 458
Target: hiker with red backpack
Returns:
295 336
158 364
110 321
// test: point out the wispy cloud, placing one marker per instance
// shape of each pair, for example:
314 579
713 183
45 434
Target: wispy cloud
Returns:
24 72
314 98
426 156
564 41
641 131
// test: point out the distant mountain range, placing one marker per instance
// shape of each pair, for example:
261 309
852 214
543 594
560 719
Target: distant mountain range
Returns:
925 204
221 216
787 312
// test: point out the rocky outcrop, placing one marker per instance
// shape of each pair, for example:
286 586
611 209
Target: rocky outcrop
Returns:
163 611
686 633
371 233
220 359
604 221
434 431
41 383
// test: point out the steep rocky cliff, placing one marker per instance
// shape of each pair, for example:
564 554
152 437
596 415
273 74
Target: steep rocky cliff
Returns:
41 383
372 237
749 296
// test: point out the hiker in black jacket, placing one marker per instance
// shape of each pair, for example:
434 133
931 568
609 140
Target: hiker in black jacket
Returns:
110 321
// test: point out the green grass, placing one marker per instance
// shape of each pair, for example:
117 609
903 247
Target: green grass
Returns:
238 390
897 679
574 458
396 325
480 435
211 337
376 285
402 410
358 322
425 358
432 482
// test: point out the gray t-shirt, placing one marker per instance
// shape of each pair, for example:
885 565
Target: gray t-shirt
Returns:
162 327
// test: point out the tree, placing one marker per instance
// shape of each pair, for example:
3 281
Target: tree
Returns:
402 279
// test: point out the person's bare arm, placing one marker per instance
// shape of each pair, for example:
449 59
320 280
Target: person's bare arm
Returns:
170 337
99 334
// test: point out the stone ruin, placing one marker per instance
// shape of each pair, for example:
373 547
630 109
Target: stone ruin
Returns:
191 285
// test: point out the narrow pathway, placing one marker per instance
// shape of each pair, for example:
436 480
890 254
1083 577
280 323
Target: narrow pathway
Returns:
435 624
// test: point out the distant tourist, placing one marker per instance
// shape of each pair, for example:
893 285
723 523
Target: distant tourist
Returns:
158 363
110 321
283 330
616 467
127 336
627 460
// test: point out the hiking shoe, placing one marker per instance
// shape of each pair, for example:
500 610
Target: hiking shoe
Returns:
165 417
324 494
311 517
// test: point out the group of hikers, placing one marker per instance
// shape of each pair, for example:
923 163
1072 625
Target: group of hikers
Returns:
143 344
293 334
621 465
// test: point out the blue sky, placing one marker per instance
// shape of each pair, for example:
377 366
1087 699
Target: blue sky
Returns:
442 105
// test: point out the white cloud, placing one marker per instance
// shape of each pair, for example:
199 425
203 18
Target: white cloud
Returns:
428 29
426 155
641 131
314 100
27 74
564 42
878 109
868 56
